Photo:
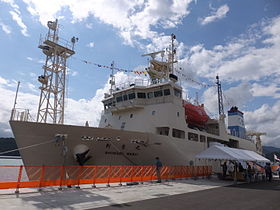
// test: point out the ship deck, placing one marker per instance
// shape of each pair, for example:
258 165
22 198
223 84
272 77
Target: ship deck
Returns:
179 194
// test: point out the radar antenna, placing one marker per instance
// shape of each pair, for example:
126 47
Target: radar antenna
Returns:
57 51
153 55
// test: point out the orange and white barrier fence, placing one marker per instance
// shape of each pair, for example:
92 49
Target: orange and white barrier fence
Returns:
274 168
43 176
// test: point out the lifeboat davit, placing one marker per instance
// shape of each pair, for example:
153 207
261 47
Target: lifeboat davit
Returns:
195 115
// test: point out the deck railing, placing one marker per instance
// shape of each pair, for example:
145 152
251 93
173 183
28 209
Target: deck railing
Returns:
21 115
42 176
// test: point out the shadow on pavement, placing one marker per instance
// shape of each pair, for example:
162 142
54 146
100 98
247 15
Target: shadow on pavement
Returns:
273 185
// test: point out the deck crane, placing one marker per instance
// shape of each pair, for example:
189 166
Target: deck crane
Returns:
258 139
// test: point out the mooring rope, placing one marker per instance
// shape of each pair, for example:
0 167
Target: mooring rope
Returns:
27 147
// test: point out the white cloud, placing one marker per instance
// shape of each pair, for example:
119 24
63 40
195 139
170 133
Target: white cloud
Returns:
5 27
240 59
234 96
3 81
29 58
32 87
220 13
133 18
89 25
16 17
271 90
91 44
71 72
265 119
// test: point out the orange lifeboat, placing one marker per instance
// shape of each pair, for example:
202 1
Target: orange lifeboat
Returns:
195 115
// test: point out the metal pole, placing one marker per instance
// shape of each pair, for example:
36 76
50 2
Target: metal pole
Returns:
16 95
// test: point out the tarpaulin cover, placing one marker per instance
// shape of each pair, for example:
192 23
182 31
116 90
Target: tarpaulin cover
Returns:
218 152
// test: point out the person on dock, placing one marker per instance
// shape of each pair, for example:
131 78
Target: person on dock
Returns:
249 173
224 167
268 172
158 168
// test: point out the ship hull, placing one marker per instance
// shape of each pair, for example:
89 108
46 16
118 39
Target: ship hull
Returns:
106 146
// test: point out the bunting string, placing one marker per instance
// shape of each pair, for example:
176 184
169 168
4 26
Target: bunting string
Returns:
115 68
145 73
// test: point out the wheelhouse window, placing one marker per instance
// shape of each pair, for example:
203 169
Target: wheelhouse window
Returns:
141 95
119 99
131 95
202 138
177 93
166 92
192 136
178 133
125 97
150 95
158 93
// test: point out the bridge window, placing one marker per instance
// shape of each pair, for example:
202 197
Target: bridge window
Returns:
178 133
141 95
158 93
131 96
177 93
166 92
192 136
125 97
119 99
202 138
150 95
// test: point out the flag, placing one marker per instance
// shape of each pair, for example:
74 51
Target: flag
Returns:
276 158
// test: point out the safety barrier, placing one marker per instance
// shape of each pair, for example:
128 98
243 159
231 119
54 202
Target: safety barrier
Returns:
43 176
274 168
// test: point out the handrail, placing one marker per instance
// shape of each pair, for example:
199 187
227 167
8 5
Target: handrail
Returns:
19 114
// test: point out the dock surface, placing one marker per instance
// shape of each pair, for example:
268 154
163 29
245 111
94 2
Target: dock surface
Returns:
179 194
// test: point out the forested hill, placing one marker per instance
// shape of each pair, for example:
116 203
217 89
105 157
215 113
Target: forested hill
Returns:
7 144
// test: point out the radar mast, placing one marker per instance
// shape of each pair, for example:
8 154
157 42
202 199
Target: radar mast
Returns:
57 51
163 70
220 99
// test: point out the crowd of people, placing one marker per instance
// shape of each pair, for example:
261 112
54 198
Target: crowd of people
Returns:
247 171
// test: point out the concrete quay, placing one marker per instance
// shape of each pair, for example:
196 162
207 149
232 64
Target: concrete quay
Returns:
177 194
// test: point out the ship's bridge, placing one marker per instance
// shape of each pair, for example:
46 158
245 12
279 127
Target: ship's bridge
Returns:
150 102
143 92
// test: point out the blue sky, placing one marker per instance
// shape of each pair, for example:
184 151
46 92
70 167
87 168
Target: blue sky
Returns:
239 40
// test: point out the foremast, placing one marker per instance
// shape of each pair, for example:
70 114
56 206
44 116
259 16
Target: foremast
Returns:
52 97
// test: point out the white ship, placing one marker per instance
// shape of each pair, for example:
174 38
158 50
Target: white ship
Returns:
140 121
